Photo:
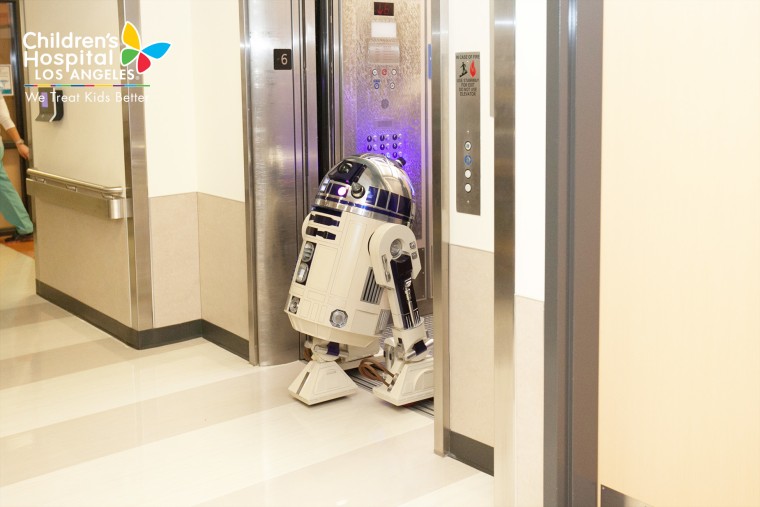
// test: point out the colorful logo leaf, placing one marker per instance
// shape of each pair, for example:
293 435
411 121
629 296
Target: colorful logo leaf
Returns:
131 38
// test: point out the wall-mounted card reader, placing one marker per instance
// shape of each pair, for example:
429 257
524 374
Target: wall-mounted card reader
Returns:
468 133
51 105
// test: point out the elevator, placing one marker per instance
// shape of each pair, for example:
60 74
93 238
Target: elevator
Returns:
327 79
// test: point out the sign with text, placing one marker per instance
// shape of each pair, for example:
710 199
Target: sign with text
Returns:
283 59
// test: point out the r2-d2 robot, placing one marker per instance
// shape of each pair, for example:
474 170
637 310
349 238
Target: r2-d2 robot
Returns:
353 276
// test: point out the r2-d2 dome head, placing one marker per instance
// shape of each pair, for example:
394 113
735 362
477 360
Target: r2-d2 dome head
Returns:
333 294
369 185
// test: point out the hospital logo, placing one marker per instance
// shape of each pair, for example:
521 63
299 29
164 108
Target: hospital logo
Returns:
135 50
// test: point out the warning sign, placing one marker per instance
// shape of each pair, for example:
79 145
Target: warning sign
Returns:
468 74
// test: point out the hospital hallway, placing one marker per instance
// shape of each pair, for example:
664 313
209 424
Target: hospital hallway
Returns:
87 420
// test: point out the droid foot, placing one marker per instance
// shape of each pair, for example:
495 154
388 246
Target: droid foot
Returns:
321 381
414 382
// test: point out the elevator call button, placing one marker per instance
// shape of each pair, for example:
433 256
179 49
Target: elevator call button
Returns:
467 145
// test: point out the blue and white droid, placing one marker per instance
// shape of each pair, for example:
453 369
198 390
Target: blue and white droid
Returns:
354 277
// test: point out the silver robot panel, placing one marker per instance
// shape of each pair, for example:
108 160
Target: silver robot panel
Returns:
333 294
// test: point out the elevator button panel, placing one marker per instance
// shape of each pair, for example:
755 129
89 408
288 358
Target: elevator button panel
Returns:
388 144
468 133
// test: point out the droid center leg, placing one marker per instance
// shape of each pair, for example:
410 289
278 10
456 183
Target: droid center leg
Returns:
323 378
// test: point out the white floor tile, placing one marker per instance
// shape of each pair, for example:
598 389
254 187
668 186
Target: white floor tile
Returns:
205 464
182 366
475 491
104 429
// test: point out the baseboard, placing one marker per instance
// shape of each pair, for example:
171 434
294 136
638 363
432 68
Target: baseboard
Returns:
148 338
471 452
226 339
612 498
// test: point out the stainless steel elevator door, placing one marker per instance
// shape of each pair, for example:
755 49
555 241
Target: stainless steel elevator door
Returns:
283 111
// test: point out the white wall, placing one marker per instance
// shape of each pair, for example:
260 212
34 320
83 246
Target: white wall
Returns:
679 415
193 108
172 101
194 118
530 204
469 31
471 237
472 246
217 80
530 148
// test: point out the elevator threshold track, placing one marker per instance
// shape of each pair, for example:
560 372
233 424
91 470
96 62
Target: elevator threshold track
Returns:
424 407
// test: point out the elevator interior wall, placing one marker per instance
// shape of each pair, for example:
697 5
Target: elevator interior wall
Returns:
380 92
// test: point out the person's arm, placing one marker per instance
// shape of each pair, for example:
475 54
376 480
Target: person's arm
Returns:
10 128
21 146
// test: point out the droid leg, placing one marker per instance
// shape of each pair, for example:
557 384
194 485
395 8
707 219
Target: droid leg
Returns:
322 379
409 367
408 373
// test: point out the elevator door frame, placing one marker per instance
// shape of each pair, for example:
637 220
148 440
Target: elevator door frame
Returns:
280 125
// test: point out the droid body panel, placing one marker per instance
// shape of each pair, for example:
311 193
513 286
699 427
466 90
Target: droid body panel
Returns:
354 276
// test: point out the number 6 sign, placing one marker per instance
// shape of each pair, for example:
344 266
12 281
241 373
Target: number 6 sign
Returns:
283 59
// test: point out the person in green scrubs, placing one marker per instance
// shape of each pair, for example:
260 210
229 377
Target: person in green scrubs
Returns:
11 206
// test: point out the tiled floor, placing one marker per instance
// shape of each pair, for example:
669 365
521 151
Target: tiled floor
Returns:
85 420
24 247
